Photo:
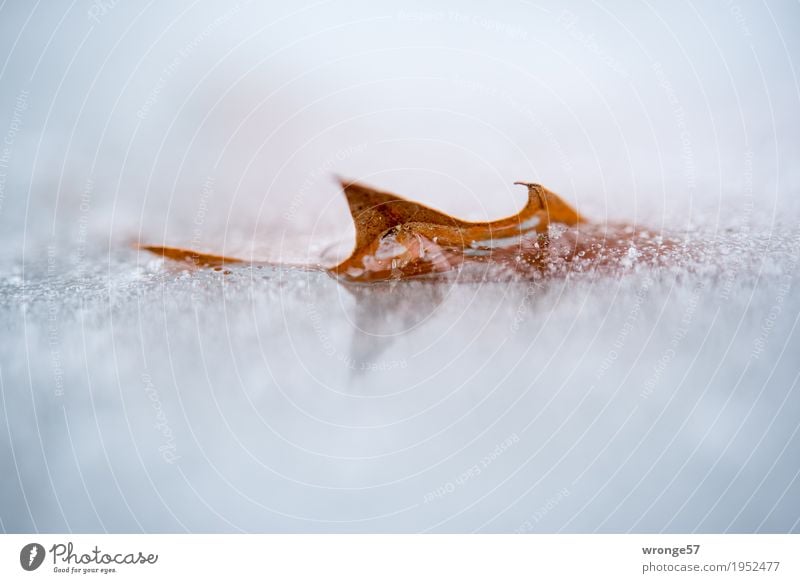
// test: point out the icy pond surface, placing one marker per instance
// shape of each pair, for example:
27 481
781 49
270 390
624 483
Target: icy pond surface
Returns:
140 396
136 395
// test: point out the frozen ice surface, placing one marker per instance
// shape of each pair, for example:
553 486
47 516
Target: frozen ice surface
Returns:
143 396
138 396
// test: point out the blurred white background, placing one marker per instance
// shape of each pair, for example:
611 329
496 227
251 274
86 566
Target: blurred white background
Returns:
629 110
665 401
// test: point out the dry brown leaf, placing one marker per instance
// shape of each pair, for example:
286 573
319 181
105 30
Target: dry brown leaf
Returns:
398 239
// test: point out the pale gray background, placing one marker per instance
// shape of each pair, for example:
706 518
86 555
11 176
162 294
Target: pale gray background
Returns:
136 397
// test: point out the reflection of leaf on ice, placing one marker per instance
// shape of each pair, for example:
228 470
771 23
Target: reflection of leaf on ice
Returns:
382 312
